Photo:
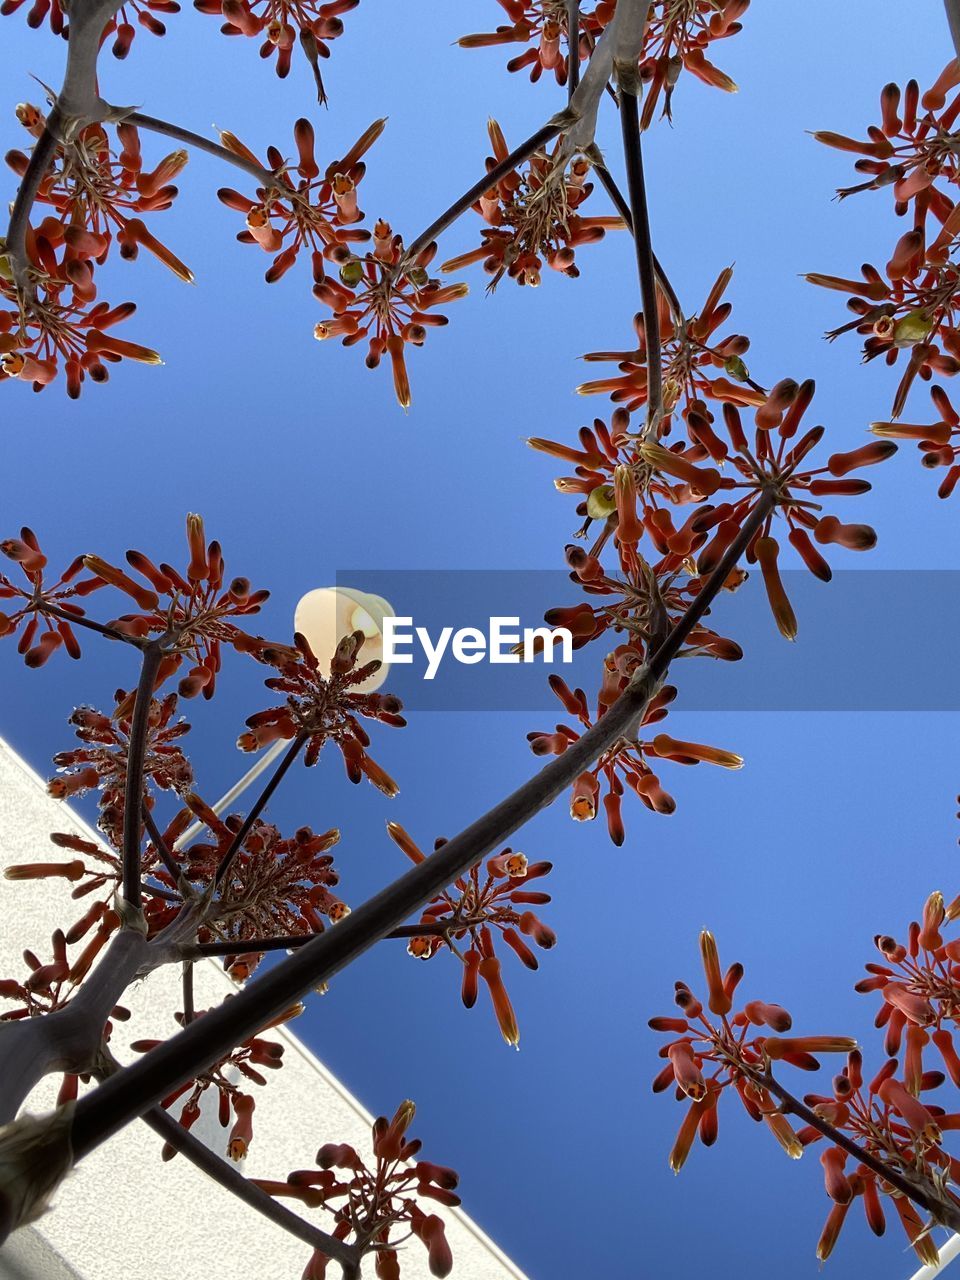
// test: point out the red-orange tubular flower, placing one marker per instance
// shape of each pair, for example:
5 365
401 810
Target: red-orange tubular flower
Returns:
533 216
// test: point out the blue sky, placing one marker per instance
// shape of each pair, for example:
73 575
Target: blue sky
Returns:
840 823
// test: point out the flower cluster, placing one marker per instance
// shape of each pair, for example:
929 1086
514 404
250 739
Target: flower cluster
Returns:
632 485
715 1049
121 25
324 708
281 25
379 1202
884 1140
629 760
533 217
385 300
190 613
695 365
317 212
913 305
492 900
101 763
678 33
42 613
543 25
97 190
272 886
246 1060
730 1051
676 40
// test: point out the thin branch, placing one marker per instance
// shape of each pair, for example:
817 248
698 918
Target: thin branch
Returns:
111 633
163 853
622 206
293 751
136 758
41 158
942 1210
189 1008
132 1091
630 125
516 157
265 177
232 1180
573 47
953 17
290 942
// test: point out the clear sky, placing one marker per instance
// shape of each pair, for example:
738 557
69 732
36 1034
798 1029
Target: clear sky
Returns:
840 823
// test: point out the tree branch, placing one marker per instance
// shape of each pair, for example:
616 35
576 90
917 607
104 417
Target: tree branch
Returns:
163 853
232 1180
914 1189
132 1091
41 158
953 17
640 221
265 177
293 751
53 611
290 942
622 207
133 790
573 47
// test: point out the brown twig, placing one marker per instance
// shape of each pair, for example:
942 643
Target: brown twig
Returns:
265 177
296 746
163 853
622 206
111 633
573 47
913 1188
290 942
41 158
136 758
232 1180
640 221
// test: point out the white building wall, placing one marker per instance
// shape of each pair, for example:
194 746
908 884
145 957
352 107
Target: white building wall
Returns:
123 1214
